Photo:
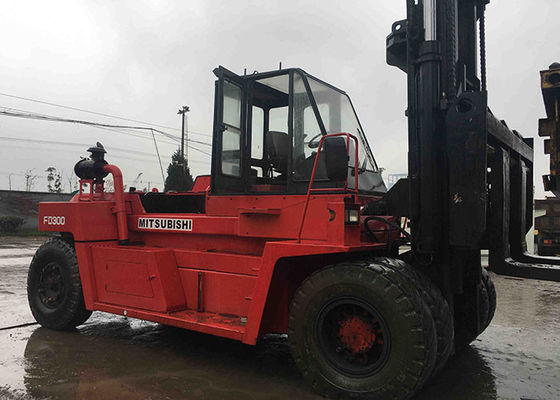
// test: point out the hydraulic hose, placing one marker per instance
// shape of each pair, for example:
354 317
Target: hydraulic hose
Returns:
383 220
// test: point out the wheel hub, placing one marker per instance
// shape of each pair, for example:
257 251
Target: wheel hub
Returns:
352 336
356 334
51 285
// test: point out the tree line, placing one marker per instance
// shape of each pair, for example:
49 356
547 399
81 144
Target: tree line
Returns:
178 178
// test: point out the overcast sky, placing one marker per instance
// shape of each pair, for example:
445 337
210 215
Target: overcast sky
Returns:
143 59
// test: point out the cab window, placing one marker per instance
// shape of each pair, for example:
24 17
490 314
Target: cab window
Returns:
270 143
231 134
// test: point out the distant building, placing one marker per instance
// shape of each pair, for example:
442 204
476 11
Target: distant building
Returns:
26 205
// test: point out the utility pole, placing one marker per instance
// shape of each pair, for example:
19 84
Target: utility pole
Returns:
184 135
10 181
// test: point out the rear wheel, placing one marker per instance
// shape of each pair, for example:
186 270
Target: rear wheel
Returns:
438 306
356 330
54 289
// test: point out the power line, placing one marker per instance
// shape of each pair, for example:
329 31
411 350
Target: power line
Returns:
44 117
159 158
114 130
50 118
125 157
73 144
201 151
123 132
53 143
96 113
85 111
45 177
111 127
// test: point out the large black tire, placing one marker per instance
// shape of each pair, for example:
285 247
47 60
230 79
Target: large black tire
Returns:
356 330
437 304
484 308
491 290
465 335
54 289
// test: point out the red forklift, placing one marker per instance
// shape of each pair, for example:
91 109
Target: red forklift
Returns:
294 231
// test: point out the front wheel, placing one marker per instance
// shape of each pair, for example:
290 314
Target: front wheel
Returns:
357 331
54 289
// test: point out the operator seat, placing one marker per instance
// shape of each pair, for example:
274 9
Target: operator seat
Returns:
278 148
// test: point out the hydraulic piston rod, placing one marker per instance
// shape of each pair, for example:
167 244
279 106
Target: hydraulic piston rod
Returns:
430 20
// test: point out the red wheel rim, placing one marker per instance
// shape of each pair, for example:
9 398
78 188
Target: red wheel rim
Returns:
352 336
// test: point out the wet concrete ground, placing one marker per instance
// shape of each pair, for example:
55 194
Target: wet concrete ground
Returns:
111 357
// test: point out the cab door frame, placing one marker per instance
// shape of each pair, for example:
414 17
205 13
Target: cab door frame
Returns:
223 183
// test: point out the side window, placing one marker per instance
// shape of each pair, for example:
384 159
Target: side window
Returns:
257 133
310 129
231 135
306 130
270 142
278 119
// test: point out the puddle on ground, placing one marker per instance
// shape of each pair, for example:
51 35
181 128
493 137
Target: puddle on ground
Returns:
111 357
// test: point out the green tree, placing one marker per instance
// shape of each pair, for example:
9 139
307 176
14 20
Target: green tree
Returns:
54 180
178 175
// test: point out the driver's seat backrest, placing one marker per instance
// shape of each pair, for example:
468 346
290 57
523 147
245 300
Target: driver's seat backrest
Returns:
278 148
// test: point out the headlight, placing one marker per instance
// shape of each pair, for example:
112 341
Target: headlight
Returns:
351 216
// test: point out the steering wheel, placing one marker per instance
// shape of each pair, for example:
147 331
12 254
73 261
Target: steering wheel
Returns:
314 143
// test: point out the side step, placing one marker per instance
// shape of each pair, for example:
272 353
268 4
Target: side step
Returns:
227 326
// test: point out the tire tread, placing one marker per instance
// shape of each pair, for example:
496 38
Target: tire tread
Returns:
374 274
437 304
75 312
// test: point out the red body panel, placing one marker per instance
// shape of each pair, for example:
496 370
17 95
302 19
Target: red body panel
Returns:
143 277
211 272
201 184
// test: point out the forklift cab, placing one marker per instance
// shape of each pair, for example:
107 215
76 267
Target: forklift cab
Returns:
267 130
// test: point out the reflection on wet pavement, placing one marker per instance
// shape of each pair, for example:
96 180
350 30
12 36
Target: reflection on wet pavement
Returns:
151 361
15 256
112 357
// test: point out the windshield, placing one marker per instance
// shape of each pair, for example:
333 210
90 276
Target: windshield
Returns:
289 113
338 116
